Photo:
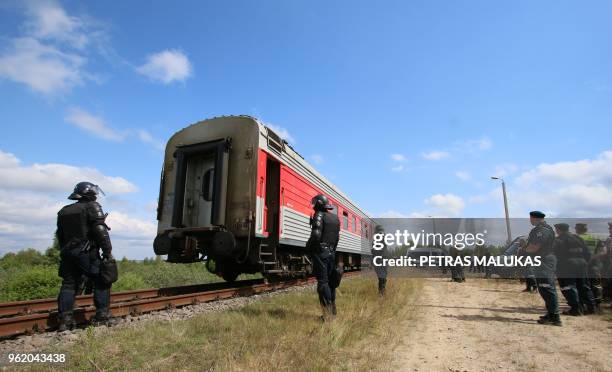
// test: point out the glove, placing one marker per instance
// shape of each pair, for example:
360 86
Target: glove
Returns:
107 256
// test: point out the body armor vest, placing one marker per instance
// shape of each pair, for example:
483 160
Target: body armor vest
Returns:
331 229
72 224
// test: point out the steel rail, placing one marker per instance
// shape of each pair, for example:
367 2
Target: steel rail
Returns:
50 304
136 303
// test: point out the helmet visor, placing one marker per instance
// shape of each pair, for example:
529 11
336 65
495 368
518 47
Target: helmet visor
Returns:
98 190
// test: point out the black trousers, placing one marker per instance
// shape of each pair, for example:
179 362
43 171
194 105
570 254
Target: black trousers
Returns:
73 270
530 281
574 283
323 266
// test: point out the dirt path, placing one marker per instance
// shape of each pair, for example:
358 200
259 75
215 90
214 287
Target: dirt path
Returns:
484 325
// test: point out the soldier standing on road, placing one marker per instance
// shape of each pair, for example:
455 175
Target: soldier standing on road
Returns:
594 277
572 256
487 268
590 241
540 243
82 232
323 241
381 271
606 266
530 282
457 274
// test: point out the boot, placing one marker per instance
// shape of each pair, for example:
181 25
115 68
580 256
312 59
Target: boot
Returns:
381 286
551 319
66 322
103 318
574 311
592 309
328 312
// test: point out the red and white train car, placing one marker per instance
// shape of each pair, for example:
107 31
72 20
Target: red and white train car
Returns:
237 196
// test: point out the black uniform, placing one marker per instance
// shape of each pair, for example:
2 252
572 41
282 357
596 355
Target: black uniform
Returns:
381 271
82 233
457 274
543 235
572 257
323 240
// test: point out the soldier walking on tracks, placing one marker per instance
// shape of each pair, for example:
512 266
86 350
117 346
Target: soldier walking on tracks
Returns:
323 241
540 243
82 232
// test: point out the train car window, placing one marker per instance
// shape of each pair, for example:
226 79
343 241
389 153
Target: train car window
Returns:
345 220
207 184
365 229
354 223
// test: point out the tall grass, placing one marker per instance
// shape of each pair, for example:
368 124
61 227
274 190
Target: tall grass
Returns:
281 333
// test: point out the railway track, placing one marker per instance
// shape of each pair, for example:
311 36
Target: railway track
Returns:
23 317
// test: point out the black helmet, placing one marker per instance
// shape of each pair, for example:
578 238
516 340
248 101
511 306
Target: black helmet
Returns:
320 203
85 189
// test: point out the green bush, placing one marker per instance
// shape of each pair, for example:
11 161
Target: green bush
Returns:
30 274
35 282
128 281
25 258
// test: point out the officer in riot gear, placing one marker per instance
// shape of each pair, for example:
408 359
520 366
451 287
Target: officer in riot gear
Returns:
324 236
381 271
82 233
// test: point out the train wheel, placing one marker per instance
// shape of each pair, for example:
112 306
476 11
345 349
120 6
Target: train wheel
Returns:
229 276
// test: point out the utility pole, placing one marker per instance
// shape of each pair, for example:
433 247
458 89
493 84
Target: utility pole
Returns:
505 208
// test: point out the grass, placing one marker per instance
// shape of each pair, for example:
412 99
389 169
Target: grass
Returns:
279 333
29 275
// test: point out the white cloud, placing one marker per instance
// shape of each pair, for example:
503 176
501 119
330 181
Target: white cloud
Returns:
282 132
93 124
50 56
48 20
317 158
148 138
125 226
398 158
581 188
43 68
587 171
31 196
53 177
446 204
435 155
397 168
462 175
167 66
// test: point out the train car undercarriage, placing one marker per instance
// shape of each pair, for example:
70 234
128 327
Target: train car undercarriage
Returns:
227 257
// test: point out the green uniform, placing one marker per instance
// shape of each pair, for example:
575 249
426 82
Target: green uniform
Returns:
590 241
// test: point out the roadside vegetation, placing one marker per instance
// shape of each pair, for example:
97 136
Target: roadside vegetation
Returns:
283 332
30 274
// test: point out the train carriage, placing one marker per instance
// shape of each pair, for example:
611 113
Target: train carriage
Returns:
234 194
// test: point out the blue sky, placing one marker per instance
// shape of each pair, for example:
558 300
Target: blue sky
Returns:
408 106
